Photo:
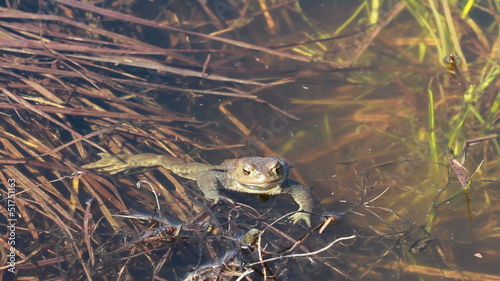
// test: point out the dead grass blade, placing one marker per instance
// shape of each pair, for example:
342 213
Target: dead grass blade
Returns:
129 18
30 107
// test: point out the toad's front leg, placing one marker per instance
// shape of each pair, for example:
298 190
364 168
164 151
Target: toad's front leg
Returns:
302 195
208 182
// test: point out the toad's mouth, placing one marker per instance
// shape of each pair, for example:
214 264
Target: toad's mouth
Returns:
262 186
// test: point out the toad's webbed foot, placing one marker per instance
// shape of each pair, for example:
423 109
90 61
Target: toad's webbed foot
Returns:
224 198
300 215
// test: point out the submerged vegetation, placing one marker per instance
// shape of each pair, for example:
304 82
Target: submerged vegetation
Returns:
390 110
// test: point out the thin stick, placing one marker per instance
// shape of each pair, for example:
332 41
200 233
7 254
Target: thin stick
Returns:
304 254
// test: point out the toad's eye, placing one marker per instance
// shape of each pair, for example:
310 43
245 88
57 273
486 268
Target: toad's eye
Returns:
246 171
278 169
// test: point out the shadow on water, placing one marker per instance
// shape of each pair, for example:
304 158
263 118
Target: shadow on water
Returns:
388 110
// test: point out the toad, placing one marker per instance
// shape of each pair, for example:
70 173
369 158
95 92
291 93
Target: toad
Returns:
256 175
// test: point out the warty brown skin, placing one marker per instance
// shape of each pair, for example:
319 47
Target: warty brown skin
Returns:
256 175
